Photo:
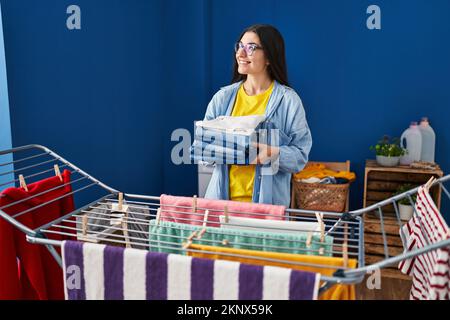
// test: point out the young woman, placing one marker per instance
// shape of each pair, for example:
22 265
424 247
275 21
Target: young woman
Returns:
260 87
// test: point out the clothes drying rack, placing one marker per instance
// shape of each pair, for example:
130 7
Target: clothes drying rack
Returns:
90 222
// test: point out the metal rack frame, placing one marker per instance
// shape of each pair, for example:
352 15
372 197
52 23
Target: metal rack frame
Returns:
347 229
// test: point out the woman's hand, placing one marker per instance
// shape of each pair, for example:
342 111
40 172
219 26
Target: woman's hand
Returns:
266 153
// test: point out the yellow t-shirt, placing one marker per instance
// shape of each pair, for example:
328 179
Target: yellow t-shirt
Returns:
242 177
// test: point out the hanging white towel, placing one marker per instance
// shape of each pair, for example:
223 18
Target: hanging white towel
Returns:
269 225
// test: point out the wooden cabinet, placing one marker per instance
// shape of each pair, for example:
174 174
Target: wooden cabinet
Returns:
381 183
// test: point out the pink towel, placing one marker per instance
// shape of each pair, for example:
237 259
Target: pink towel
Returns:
180 209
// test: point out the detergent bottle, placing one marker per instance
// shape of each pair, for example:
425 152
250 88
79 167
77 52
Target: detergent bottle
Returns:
411 140
428 141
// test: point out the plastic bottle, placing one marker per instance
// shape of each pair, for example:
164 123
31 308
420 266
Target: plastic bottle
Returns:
428 141
413 138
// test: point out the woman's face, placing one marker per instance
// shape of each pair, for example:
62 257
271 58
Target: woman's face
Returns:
251 64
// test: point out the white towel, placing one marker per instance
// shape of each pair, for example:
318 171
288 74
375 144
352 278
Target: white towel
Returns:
293 227
244 125
179 277
93 263
226 280
134 267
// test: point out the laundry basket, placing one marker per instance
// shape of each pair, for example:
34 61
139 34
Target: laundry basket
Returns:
321 197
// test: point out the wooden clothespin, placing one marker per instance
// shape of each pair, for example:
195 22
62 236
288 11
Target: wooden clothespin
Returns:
319 217
194 204
84 222
58 172
205 220
118 210
429 183
188 243
309 240
125 233
345 247
225 212
120 204
322 231
22 182
158 216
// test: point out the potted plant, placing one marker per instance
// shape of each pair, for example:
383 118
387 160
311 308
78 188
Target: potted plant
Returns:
388 151
405 208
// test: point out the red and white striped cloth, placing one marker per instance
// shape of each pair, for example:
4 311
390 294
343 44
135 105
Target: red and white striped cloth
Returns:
430 271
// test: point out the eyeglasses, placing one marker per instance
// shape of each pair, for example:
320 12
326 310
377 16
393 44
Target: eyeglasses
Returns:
249 47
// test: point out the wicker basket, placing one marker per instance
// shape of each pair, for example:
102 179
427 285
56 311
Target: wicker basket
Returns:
322 197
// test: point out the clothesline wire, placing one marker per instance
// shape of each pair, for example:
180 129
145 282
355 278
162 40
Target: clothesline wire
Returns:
32 175
53 200
142 241
28 167
279 229
224 232
115 228
24 159
289 263
41 193
220 210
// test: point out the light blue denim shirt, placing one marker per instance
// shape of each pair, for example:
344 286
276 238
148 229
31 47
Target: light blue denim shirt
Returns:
284 112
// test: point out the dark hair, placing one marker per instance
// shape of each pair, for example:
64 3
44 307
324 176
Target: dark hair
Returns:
273 46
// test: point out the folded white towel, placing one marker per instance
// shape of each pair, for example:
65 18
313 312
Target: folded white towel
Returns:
244 125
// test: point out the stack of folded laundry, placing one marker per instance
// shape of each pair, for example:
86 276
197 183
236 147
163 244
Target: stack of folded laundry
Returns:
225 140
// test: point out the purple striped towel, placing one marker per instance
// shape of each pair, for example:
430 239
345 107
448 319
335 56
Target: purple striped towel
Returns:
98 272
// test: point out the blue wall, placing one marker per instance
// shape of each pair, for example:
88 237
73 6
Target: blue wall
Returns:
5 127
108 96
356 84
93 95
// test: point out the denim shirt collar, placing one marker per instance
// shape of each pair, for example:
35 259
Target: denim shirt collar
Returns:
274 100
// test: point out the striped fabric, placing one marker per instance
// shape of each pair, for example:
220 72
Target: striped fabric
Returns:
430 271
99 272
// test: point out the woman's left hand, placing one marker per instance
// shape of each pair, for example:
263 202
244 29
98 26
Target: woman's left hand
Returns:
266 153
